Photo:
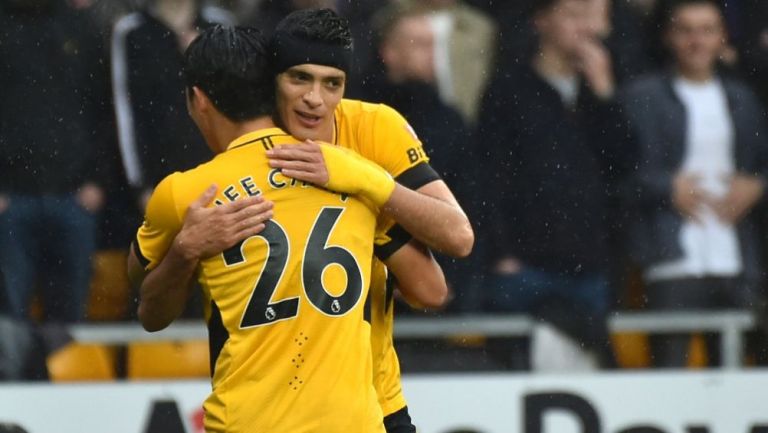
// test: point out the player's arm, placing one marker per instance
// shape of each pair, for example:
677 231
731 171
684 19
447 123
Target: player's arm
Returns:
422 203
431 213
205 232
419 277
163 291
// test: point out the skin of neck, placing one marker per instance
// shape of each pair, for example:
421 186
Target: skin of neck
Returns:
698 75
553 62
223 131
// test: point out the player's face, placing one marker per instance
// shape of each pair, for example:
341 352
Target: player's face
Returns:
696 37
307 95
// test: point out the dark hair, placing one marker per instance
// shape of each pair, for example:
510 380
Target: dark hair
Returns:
318 25
229 64
542 5
315 36
387 18
666 10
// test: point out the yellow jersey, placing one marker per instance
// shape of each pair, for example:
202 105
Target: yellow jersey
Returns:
382 135
290 349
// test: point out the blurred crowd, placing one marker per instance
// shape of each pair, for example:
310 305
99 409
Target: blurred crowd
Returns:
611 154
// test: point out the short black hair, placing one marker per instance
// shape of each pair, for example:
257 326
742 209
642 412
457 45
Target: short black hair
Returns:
666 10
538 6
319 25
229 64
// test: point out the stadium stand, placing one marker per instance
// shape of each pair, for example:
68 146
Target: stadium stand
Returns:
167 360
78 362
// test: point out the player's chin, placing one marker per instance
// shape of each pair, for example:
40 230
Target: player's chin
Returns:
305 132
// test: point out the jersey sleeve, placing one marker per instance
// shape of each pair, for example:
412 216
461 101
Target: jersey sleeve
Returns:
161 224
396 147
389 238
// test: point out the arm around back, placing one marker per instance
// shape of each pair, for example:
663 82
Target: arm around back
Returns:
419 277
433 216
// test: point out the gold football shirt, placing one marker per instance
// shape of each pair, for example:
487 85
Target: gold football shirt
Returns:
382 135
290 349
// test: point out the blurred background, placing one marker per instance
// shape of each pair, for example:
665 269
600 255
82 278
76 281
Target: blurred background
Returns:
611 154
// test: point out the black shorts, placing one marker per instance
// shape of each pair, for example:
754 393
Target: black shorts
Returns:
399 422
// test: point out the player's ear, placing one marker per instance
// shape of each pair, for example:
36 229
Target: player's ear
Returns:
199 99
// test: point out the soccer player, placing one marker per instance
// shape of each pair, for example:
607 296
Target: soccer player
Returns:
290 349
312 52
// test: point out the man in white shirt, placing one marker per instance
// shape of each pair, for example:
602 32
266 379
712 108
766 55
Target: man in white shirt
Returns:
701 171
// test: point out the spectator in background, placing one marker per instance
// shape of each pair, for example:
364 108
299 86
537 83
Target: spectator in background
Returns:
618 26
51 118
701 170
553 136
464 43
407 83
156 135
265 14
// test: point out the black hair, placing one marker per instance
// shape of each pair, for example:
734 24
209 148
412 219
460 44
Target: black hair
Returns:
538 6
229 64
666 10
318 25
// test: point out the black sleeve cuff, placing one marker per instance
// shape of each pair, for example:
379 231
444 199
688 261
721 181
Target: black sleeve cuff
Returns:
417 176
398 237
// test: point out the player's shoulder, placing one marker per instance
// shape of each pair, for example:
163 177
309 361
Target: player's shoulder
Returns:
352 109
162 208
356 107
183 187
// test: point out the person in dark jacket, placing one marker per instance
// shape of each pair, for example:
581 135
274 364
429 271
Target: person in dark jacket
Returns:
753 44
702 169
404 78
156 136
553 138
51 161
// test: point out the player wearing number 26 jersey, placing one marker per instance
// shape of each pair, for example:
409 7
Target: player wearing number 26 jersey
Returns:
290 349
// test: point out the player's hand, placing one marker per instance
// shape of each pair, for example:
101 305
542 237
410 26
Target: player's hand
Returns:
91 197
5 203
303 161
335 168
594 63
687 196
743 193
208 231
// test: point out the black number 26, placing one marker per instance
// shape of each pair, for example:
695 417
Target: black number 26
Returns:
262 309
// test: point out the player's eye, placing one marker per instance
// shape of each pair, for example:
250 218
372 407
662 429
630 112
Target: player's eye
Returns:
300 76
334 83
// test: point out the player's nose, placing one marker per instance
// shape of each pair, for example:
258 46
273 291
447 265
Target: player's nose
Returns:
313 98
